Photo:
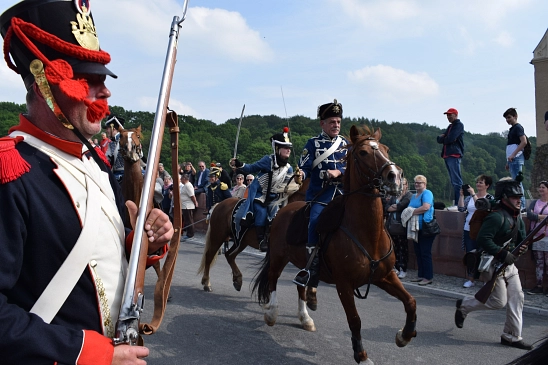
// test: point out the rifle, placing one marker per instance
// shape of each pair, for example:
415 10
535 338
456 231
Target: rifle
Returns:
483 294
127 326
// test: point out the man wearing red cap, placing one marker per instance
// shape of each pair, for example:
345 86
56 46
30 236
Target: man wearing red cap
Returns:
62 238
453 149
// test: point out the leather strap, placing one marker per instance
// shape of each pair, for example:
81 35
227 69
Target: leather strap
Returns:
165 274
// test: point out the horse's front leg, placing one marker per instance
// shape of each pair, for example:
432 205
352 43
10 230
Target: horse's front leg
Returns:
304 318
346 296
393 286
237 277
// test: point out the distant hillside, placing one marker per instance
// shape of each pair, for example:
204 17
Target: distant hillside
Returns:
412 146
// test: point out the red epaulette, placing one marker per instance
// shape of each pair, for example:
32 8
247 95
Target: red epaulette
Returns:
12 165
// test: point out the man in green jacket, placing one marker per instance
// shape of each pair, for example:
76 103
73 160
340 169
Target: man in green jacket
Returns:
498 237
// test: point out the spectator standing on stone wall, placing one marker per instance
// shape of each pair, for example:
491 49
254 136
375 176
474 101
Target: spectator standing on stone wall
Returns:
453 150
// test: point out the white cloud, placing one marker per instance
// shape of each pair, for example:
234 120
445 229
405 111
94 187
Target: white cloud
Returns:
505 39
227 32
149 103
394 84
146 26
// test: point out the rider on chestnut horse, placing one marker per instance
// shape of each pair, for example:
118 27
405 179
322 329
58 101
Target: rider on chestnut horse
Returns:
323 162
273 171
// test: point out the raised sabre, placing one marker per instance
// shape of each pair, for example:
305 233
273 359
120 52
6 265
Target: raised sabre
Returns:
238 133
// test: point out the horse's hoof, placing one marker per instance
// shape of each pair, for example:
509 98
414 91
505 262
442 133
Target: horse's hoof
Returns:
237 285
208 288
269 321
309 326
312 305
402 342
362 357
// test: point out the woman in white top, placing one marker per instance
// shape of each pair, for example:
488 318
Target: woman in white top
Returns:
468 204
239 189
188 204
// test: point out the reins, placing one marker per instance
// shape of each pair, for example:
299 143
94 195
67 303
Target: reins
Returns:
373 264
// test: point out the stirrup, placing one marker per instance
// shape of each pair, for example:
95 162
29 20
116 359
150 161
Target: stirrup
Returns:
302 280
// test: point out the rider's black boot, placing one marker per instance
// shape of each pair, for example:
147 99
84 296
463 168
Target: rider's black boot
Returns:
261 238
310 275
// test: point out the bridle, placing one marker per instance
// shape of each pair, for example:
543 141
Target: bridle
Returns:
138 146
371 182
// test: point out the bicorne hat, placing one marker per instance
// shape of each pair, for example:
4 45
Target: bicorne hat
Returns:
114 121
215 171
329 110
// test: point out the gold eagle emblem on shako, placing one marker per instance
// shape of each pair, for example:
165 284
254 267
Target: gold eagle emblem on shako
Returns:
84 29
336 107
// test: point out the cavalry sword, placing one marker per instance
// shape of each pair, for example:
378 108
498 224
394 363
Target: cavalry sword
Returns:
238 133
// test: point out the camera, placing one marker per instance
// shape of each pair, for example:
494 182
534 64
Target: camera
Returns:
465 191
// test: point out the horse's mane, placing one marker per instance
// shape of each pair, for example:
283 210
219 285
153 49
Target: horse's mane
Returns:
364 132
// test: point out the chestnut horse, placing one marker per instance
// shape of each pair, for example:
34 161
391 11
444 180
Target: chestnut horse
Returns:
132 151
359 251
219 231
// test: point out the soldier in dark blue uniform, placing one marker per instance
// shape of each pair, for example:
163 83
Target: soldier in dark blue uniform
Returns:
273 172
322 162
216 190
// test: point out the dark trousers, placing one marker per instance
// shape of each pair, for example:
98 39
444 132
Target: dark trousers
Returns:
188 218
423 251
401 249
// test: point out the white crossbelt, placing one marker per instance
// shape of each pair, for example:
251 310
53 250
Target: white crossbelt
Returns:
330 151
64 281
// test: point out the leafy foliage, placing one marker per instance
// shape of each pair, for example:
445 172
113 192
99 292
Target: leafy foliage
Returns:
412 146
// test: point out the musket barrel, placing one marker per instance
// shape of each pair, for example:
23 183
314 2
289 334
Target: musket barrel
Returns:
133 296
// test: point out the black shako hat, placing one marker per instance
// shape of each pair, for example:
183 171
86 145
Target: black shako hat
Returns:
507 187
114 121
69 21
329 110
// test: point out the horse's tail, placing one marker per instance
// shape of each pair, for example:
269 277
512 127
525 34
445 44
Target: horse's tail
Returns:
260 281
207 247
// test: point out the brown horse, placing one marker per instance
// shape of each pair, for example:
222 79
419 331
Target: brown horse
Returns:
131 150
220 230
359 250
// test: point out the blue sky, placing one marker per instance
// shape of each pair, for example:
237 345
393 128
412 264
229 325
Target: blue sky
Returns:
394 60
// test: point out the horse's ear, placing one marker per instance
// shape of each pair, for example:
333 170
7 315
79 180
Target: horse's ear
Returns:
354 132
138 128
377 135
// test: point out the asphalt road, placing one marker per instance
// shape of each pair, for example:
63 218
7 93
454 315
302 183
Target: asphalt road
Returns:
227 327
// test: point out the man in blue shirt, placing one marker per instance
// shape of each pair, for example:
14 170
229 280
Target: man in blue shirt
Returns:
322 161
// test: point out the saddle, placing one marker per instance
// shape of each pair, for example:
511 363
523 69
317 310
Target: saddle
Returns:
331 217
297 231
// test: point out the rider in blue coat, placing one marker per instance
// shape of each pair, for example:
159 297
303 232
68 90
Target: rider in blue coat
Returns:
273 172
322 161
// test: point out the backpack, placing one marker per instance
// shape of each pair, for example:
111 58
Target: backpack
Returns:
476 221
527 149
483 209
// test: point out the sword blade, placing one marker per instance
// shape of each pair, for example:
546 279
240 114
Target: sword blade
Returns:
238 133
